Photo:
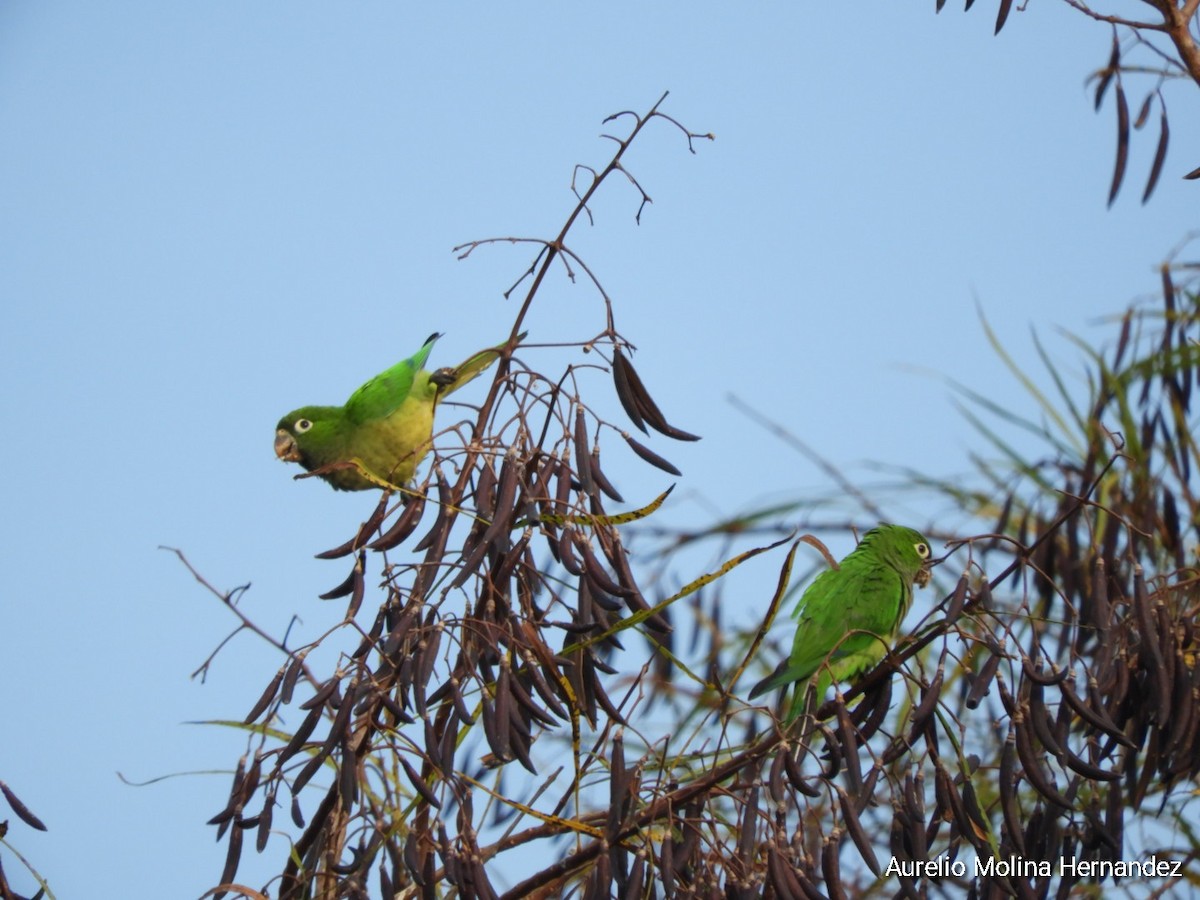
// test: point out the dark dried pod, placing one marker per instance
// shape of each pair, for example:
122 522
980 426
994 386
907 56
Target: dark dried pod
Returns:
348 777
857 834
323 693
601 479
364 532
925 708
232 856
785 878
526 702
829 866
1008 794
346 588
23 812
595 572
406 523
647 409
583 469
420 785
651 457
1096 717
958 599
1039 719
294 670
625 391
849 743
264 823
412 858
795 776
436 536
496 732
267 696
1087 770
982 681
543 689
357 585
566 555
1026 753
301 735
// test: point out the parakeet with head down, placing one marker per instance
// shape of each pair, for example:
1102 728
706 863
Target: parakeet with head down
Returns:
848 617
383 431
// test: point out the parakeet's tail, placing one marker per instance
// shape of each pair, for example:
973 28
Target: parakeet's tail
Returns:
450 379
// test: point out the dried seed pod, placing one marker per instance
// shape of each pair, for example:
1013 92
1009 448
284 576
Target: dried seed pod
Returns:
346 588
301 735
420 785
849 749
647 409
263 832
958 599
651 457
601 479
583 469
436 536
263 701
406 523
1008 794
232 856
795 776
1096 717
364 532
23 812
857 834
829 866
625 391
595 572
982 682
785 878
1038 779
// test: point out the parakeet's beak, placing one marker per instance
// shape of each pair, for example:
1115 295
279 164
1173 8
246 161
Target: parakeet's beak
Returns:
286 447
924 576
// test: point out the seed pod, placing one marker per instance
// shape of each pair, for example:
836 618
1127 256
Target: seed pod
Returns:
345 589
232 855
601 479
364 532
795 776
301 735
647 409
981 682
785 878
855 829
420 785
406 523
958 600
1095 717
263 701
829 866
1007 792
849 746
594 572
651 457
23 812
1033 771
436 535
625 390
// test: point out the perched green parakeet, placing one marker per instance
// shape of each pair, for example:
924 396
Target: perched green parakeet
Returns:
383 431
848 617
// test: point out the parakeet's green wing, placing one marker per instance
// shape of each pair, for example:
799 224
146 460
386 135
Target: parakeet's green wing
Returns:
841 611
384 394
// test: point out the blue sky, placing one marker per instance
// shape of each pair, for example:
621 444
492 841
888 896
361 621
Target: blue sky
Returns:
213 213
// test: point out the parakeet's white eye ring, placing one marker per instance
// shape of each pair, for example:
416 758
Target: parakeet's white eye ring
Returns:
302 425
922 549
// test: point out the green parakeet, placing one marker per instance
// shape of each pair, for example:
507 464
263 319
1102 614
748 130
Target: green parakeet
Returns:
848 617
383 431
